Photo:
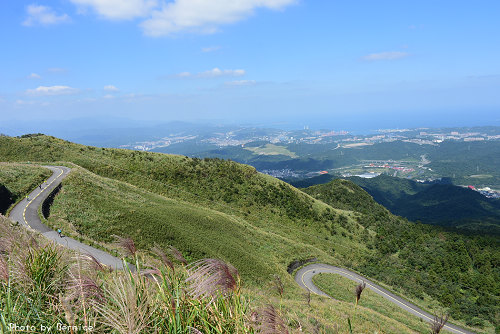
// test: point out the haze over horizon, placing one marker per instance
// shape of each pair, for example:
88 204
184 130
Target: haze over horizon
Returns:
339 65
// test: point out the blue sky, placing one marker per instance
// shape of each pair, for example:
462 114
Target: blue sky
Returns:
297 61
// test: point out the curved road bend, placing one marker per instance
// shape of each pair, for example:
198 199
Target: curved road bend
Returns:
304 278
26 213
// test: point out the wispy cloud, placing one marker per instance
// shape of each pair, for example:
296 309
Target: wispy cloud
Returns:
216 72
183 75
203 16
210 49
43 15
57 70
241 83
34 76
213 73
484 77
51 90
111 88
391 55
24 103
117 9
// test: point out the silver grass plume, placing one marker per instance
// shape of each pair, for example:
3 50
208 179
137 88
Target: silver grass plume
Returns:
93 264
163 256
359 290
177 255
438 323
84 288
127 244
4 269
208 277
271 322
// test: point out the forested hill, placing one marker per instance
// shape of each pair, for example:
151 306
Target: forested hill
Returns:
440 204
447 264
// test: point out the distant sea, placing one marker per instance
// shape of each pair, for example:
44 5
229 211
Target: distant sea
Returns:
370 123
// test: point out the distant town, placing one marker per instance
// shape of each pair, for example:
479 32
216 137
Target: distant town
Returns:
272 150
243 136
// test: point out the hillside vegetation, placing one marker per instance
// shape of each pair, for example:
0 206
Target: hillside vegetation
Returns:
281 214
461 272
98 208
465 163
341 289
214 207
18 180
440 204
56 287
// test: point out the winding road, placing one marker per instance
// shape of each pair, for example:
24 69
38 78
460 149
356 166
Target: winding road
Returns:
26 213
304 278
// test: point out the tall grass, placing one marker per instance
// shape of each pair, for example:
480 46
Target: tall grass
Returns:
44 285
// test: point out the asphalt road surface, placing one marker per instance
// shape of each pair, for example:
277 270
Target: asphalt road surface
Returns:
26 213
304 278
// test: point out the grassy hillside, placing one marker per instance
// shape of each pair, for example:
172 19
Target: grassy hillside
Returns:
18 180
221 184
213 207
461 272
342 289
254 201
97 208
441 204
58 286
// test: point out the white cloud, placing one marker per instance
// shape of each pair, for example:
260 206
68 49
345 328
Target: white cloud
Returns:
110 88
52 90
109 96
24 103
241 83
392 55
43 15
213 73
34 76
118 9
184 75
203 16
210 49
216 72
20 103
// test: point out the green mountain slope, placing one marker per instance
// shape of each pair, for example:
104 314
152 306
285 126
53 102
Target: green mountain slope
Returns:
97 208
441 204
18 180
460 271
213 207
223 184
255 200
35 303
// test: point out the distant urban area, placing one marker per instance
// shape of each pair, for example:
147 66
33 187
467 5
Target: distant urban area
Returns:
242 136
415 154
